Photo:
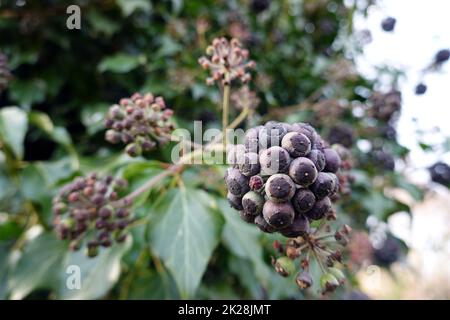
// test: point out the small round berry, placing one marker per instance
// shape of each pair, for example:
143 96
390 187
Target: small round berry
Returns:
297 144
299 227
324 185
274 160
307 130
303 171
284 266
304 280
247 217
332 160
236 182
318 158
250 164
421 88
278 215
133 150
251 141
256 183
112 136
442 56
388 24
328 282
272 134
253 203
280 188
303 200
320 208
263 225
234 201
105 212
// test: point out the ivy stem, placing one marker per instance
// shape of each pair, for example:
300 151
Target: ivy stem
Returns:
319 261
225 109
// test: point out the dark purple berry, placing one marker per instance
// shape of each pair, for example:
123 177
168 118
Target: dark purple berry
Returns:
318 158
303 171
278 215
280 188
236 182
332 160
247 217
324 185
442 56
299 227
303 200
263 225
421 88
388 24
307 130
274 160
320 208
253 203
234 201
297 144
249 165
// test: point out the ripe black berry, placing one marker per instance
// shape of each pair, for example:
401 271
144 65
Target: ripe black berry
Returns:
389 252
299 226
259 6
272 134
263 225
280 188
421 88
318 158
251 141
342 135
278 215
236 182
332 160
305 129
297 144
440 173
250 164
247 217
303 171
274 160
388 24
320 208
324 185
442 56
303 200
234 201
252 203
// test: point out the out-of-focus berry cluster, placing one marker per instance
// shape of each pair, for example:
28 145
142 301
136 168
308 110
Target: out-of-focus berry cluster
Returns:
85 213
5 74
384 106
440 173
142 122
227 61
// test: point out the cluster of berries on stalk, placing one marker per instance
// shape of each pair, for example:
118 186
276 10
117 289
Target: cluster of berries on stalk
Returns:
282 177
142 122
314 245
384 106
86 211
440 173
5 74
227 61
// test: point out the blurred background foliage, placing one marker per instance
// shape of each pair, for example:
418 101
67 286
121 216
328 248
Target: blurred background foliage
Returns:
51 129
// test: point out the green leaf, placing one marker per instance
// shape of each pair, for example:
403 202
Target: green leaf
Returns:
98 274
13 127
4 269
41 120
38 267
121 63
27 92
102 23
93 116
130 6
242 239
184 235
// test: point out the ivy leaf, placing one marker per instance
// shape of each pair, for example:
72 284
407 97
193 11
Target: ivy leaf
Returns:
38 266
98 274
242 239
121 63
13 127
185 235
27 92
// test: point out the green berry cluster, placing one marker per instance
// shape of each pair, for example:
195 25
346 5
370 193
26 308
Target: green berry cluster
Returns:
282 177
85 212
141 122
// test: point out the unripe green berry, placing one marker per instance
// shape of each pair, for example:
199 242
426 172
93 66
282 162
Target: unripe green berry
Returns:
274 160
280 188
133 150
297 144
303 200
303 171
328 282
284 266
278 215
338 274
252 203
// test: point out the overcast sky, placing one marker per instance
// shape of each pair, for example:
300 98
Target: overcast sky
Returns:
423 28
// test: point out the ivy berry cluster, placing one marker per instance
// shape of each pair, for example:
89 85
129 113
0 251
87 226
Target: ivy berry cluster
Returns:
5 74
85 212
142 122
283 178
